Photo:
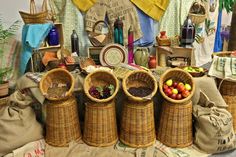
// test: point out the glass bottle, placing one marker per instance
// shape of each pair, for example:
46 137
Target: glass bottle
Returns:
118 32
74 43
53 37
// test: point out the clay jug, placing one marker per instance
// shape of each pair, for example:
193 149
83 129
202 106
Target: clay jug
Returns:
141 56
152 63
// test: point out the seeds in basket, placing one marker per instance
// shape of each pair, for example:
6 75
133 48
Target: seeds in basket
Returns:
57 90
100 92
176 90
140 91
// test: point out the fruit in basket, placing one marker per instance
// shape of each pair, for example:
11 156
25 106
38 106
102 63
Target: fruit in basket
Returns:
100 92
169 82
168 91
180 87
185 93
187 86
179 97
174 91
173 96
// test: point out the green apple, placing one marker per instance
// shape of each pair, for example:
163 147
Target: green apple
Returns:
174 91
188 86
169 82
201 70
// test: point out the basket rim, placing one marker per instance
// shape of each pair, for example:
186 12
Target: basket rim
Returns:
172 100
135 98
68 93
86 90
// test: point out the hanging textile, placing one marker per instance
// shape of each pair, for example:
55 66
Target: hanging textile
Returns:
123 9
218 41
84 5
153 8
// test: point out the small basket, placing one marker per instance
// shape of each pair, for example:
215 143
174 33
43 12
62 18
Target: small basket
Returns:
41 17
62 122
226 87
175 129
95 37
139 78
137 124
57 77
100 78
100 128
197 18
177 75
163 42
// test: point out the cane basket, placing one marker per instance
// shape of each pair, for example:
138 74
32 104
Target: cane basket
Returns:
175 129
197 18
99 39
100 128
62 122
57 77
137 124
179 75
139 78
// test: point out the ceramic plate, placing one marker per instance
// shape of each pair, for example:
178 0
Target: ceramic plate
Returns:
113 55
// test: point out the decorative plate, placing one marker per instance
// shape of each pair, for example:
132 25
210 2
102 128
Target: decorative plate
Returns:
113 55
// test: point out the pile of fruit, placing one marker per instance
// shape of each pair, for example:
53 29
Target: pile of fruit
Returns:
193 69
176 90
100 92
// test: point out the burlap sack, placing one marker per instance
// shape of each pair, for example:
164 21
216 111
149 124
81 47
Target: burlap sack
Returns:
214 128
208 86
18 125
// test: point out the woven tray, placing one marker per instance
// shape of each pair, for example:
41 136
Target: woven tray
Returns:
137 124
100 128
175 129
62 122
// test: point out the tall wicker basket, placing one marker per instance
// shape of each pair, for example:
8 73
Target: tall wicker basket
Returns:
175 128
137 122
100 127
228 92
62 122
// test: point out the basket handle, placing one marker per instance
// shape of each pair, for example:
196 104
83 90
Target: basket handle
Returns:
52 14
101 21
32 7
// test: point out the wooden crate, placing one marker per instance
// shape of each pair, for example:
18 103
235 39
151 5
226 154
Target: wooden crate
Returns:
163 52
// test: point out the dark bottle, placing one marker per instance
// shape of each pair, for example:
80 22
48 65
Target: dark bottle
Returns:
74 42
187 33
118 32
53 37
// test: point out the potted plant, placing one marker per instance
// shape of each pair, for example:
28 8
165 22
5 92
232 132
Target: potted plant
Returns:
4 35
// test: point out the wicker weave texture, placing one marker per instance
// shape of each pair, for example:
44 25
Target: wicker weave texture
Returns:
137 124
227 87
62 122
178 75
100 124
139 78
231 102
175 129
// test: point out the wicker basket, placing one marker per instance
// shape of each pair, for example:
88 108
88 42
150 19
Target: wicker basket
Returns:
57 77
62 122
100 78
175 129
95 37
137 124
100 124
139 78
178 75
163 42
197 18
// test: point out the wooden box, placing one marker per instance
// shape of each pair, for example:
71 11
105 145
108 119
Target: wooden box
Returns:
164 53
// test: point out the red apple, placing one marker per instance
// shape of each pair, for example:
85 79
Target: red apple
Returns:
175 84
165 87
179 97
173 96
180 87
185 93
168 91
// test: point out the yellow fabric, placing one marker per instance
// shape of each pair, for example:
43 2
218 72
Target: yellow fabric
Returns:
84 5
153 8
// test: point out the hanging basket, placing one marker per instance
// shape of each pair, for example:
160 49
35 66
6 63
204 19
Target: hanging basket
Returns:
197 13
99 39
41 17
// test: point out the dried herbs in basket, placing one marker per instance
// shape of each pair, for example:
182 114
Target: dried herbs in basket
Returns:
140 91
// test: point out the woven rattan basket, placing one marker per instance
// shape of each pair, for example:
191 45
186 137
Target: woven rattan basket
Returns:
100 78
98 39
175 129
33 17
100 128
62 122
57 77
137 124
178 75
139 78
197 18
